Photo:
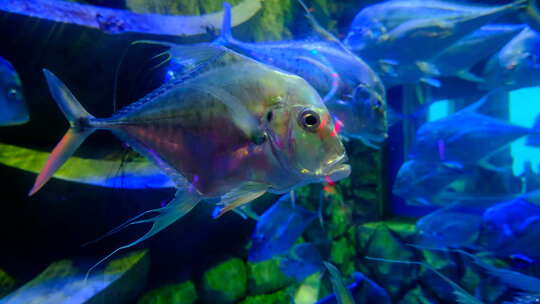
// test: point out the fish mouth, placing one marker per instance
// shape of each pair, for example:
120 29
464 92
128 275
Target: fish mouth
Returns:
337 169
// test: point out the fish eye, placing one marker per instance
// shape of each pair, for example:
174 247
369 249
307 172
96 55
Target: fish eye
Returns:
309 120
12 94
269 116
259 139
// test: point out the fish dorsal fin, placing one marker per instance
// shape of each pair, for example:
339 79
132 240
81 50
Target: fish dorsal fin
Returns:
486 103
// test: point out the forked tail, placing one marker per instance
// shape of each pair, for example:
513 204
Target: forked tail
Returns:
80 128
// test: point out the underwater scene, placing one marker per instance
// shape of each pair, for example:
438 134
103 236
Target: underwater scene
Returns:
270 151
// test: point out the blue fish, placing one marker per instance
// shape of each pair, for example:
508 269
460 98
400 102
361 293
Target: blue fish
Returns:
466 137
352 91
512 228
453 226
516 65
13 109
278 228
303 261
419 39
419 181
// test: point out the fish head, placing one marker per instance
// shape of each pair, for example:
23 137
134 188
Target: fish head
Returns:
304 136
13 110
363 113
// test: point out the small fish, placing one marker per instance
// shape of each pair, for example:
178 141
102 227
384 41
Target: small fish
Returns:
278 228
353 92
13 110
302 261
233 138
454 226
516 65
466 136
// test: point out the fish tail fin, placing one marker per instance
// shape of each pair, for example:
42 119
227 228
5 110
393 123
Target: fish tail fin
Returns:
226 36
533 140
80 128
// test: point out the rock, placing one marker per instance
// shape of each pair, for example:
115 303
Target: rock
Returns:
339 216
63 282
343 253
266 277
444 263
7 283
393 277
225 282
404 229
181 293
416 296
279 297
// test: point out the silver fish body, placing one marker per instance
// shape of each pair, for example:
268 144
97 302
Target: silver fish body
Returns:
13 109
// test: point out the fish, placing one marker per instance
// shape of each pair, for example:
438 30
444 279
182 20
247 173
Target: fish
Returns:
302 261
231 138
466 136
13 109
342 293
456 226
420 39
120 21
419 181
457 59
516 65
278 228
377 19
112 172
352 91
511 227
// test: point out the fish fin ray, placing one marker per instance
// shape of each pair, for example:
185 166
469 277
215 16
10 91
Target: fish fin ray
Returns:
79 120
184 200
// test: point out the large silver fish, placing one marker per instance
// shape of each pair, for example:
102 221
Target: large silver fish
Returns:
353 92
233 132
13 110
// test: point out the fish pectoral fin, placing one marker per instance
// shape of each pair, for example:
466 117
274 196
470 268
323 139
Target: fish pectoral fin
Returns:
431 81
241 195
468 75
184 200
428 68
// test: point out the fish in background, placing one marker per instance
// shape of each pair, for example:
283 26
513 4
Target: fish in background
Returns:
455 226
278 228
235 137
13 109
466 137
352 91
516 65
512 228
417 39
420 181
457 59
